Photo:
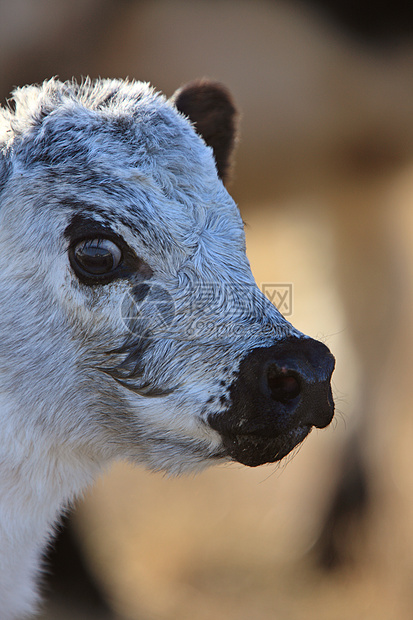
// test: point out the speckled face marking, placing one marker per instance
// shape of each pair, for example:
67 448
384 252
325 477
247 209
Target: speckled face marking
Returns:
130 312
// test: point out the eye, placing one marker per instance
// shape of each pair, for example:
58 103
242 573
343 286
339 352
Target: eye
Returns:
96 257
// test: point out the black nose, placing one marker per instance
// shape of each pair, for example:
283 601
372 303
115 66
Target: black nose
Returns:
280 393
296 374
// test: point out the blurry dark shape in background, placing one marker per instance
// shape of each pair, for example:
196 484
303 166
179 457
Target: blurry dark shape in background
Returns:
69 581
373 23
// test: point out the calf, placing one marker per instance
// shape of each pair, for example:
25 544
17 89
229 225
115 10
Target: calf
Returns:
131 326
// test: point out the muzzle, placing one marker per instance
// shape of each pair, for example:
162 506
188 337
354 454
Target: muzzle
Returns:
281 392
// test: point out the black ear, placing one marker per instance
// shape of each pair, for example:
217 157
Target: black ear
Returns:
209 106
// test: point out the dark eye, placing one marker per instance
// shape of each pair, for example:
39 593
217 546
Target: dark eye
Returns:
96 257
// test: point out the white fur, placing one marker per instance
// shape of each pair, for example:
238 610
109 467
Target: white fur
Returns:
62 417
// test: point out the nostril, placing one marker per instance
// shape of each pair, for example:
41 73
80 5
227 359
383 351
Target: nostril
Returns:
283 384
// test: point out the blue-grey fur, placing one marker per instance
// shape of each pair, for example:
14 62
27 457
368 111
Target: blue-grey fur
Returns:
121 154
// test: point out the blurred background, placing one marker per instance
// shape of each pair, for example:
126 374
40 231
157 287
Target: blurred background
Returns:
324 182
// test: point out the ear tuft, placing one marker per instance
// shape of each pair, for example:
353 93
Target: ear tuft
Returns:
210 107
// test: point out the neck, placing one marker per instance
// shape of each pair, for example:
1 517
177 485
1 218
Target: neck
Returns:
37 482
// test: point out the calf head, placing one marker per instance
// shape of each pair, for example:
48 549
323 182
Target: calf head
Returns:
131 323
